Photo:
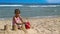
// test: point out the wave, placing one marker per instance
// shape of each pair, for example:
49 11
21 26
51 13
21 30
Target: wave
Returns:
32 5
44 5
11 5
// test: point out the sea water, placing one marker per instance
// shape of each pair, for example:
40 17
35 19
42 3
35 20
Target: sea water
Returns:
7 11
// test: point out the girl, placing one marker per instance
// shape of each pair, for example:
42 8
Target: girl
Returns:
17 20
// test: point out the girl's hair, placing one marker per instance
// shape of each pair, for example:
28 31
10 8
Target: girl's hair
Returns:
17 10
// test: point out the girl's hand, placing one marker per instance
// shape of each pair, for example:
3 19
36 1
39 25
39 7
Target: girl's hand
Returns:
24 22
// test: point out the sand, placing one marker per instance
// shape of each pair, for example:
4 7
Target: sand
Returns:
38 26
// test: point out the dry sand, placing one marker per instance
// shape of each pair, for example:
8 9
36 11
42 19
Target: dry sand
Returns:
38 26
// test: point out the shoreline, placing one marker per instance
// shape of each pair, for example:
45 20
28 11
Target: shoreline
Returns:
33 17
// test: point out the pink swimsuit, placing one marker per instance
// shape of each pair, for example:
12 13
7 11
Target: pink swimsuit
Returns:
18 21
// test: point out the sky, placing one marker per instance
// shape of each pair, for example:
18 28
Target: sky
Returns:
29 1
53 1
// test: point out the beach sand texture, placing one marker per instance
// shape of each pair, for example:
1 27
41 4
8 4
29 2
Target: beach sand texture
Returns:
38 26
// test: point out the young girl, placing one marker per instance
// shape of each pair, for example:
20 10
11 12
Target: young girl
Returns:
17 20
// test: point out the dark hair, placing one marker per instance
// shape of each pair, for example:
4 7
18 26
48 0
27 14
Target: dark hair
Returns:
17 10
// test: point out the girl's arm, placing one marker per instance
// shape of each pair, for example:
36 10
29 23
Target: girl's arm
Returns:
21 20
14 22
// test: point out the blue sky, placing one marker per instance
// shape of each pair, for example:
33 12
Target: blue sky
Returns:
29 1
53 1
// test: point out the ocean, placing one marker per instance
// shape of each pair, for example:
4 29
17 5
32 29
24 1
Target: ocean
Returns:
7 11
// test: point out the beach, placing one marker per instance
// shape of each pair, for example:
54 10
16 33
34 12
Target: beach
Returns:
50 25
44 19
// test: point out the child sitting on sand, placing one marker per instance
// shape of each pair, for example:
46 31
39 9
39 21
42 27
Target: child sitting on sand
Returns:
17 20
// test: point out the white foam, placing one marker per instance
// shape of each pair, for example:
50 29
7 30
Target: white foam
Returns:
11 5
33 5
43 5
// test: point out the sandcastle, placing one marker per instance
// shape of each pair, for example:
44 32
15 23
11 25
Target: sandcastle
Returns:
7 30
6 27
